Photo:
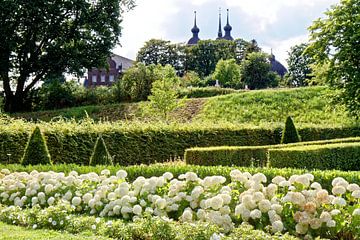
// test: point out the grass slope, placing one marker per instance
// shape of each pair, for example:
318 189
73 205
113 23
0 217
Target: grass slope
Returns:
308 105
9 232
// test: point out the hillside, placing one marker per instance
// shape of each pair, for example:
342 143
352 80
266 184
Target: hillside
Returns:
311 105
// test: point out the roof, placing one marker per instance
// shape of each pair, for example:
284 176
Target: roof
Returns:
123 61
277 67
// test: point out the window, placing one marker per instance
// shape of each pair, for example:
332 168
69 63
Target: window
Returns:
103 78
94 78
111 78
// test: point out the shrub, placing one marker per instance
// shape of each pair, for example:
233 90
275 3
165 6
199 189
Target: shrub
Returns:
290 134
227 156
36 151
100 155
343 156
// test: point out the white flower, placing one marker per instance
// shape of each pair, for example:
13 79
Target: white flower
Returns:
51 201
301 228
160 203
187 215
97 220
105 172
325 216
93 227
356 212
356 194
54 223
121 174
284 184
335 212
215 236
277 226
76 201
216 202
264 205
168 175
316 186
331 224
339 201
190 176
339 181
315 223
137 209
255 214
353 187
34 226
303 179
278 179
338 190
259 177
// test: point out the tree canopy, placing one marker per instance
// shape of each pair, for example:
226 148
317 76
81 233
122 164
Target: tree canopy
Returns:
335 40
45 37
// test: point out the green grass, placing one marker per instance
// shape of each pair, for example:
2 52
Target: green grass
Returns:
310 105
9 232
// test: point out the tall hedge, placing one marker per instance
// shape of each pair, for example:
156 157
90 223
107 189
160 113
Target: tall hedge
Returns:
100 155
146 144
36 151
290 134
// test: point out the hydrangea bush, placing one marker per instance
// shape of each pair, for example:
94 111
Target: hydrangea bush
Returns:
297 205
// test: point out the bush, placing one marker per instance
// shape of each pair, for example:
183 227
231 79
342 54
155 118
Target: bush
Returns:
227 156
245 156
36 151
100 155
344 156
290 134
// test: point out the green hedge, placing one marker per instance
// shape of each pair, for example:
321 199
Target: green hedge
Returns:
344 156
244 156
136 143
324 177
205 92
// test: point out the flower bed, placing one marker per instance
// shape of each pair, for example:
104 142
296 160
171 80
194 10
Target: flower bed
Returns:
296 205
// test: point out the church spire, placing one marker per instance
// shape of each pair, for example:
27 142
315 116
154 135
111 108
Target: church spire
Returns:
220 36
228 28
195 30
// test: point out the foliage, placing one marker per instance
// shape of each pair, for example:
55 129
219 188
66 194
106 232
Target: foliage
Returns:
299 66
43 38
205 92
270 106
255 71
36 151
100 155
137 81
335 40
161 52
203 57
342 156
191 79
290 134
227 72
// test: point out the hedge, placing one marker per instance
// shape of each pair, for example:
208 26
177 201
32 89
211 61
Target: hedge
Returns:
343 156
205 92
324 177
136 143
244 156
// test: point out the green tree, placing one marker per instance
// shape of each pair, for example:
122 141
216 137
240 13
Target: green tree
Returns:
299 66
290 134
203 57
137 81
164 95
192 79
100 155
255 71
251 47
36 151
335 40
44 37
227 72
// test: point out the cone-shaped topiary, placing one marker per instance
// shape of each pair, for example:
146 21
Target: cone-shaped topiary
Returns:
100 155
290 134
36 151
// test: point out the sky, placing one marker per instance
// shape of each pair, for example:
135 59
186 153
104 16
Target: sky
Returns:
275 24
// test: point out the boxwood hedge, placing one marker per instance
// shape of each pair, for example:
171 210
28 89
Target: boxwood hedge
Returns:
342 156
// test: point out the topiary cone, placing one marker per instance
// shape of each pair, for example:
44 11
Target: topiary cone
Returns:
290 134
36 151
100 155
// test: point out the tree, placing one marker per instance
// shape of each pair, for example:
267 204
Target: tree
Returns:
164 95
227 72
203 57
44 37
255 71
290 134
251 47
36 151
299 62
100 155
335 40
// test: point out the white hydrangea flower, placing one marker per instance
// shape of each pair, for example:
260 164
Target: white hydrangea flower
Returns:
137 210
301 228
277 226
121 174
339 201
338 190
264 205
356 194
278 179
331 224
255 214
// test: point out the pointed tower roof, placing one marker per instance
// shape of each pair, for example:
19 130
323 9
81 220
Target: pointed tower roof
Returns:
220 36
228 29
195 30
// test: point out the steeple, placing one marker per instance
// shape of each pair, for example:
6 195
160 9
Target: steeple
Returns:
220 36
228 29
195 30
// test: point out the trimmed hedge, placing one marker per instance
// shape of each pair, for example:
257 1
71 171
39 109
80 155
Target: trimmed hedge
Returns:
344 156
324 177
290 134
205 92
136 143
245 156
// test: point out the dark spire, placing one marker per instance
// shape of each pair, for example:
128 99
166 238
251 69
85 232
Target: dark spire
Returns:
195 30
228 29
220 36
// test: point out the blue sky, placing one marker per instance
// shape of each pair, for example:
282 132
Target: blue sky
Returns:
276 24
